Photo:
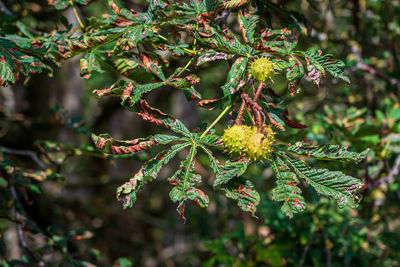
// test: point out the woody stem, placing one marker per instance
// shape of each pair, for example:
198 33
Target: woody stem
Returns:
239 117
259 90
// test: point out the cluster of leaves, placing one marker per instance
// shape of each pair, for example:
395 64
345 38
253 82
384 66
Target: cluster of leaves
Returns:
308 241
131 43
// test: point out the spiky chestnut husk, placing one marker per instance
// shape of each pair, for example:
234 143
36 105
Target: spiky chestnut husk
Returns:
262 69
234 138
258 145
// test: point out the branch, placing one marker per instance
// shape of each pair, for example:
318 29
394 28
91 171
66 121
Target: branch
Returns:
28 153
4 9
376 73
21 238
306 248
393 172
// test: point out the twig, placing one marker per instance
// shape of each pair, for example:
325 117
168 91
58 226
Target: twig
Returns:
393 172
21 238
377 73
305 250
259 90
328 251
239 117
28 153
4 9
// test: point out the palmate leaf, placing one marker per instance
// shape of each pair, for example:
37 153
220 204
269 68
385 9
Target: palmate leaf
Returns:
286 189
13 63
318 65
324 152
126 193
332 184
235 76
184 181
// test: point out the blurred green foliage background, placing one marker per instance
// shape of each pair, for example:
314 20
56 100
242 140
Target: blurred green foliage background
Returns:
365 34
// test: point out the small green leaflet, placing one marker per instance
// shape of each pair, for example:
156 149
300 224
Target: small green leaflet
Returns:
286 189
151 63
235 76
184 181
231 170
63 4
89 64
148 173
318 65
109 145
244 192
324 152
248 22
13 63
332 184
294 75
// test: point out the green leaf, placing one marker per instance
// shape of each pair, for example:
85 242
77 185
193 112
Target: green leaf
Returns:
89 65
109 145
294 75
214 163
211 140
153 115
13 63
235 76
63 4
186 84
279 41
230 170
243 191
332 184
184 181
151 63
6 74
324 152
318 64
222 41
247 22
126 193
286 189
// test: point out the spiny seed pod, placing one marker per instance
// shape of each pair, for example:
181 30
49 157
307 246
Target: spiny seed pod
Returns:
258 145
262 69
234 138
